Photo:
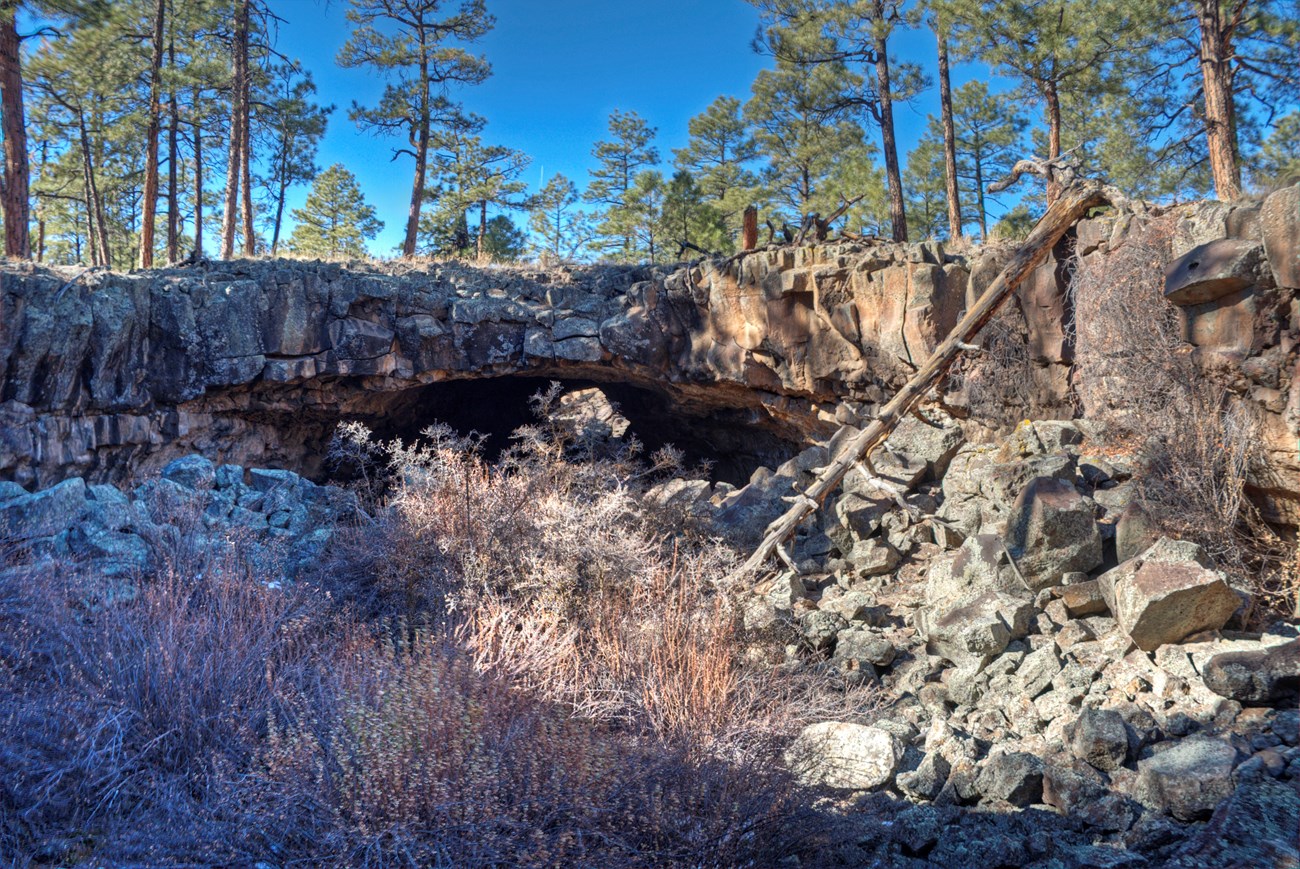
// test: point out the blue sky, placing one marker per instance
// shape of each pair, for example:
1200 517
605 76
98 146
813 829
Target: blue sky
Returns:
559 68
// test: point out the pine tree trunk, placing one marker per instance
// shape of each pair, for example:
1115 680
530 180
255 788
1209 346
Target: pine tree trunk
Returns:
1220 108
481 242
1053 101
949 137
13 121
152 132
96 225
173 191
239 57
246 155
198 178
897 208
280 195
979 193
40 239
421 161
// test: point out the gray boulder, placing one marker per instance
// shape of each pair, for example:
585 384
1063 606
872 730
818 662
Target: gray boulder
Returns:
1052 530
1100 739
1015 778
1267 676
838 754
1187 780
44 513
1169 592
1213 270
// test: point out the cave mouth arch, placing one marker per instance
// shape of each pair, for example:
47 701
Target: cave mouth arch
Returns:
727 438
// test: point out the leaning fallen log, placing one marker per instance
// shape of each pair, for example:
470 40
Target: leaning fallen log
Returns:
1078 196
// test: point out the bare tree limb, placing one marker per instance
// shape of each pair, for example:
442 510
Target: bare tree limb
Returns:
1077 198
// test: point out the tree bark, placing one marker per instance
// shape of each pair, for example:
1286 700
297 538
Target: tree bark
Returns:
246 154
96 225
245 169
749 232
979 194
481 242
897 208
238 63
949 136
1220 107
173 183
15 194
421 158
280 195
1061 215
1053 101
152 132
198 177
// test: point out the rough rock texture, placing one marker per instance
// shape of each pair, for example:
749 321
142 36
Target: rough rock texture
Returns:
1167 593
1269 675
280 521
838 754
1187 780
254 362
1051 531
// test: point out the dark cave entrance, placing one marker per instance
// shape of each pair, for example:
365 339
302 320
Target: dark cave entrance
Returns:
728 438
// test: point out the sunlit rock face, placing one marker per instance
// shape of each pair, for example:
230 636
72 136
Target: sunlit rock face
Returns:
255 362
743 361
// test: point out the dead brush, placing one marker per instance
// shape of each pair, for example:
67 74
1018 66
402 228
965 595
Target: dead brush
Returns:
125 715
1199 442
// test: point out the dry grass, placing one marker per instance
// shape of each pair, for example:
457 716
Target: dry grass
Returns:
508 666
1199 442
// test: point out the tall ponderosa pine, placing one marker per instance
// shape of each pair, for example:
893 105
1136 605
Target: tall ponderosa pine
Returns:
153 131
14 199
335 221
1234 65
413 42
1067 48
621 158
848 33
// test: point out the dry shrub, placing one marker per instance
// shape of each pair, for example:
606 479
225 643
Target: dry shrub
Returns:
1198 442
125 714
569 692
996 385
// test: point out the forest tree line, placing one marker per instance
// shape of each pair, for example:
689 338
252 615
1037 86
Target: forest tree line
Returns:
137 131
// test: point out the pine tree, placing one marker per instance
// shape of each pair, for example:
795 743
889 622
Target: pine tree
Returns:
621 158
690 220
293 127
411 40
812 164
1278 162
335 221
927 194
1230 68
503 241
1055 51
562 229
641 218
718 156
841 34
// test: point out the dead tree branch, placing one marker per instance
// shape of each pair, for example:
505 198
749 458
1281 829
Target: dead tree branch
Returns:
1077 198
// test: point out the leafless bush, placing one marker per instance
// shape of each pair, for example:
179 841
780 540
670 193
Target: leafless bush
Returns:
996 385
1198 444
125 714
